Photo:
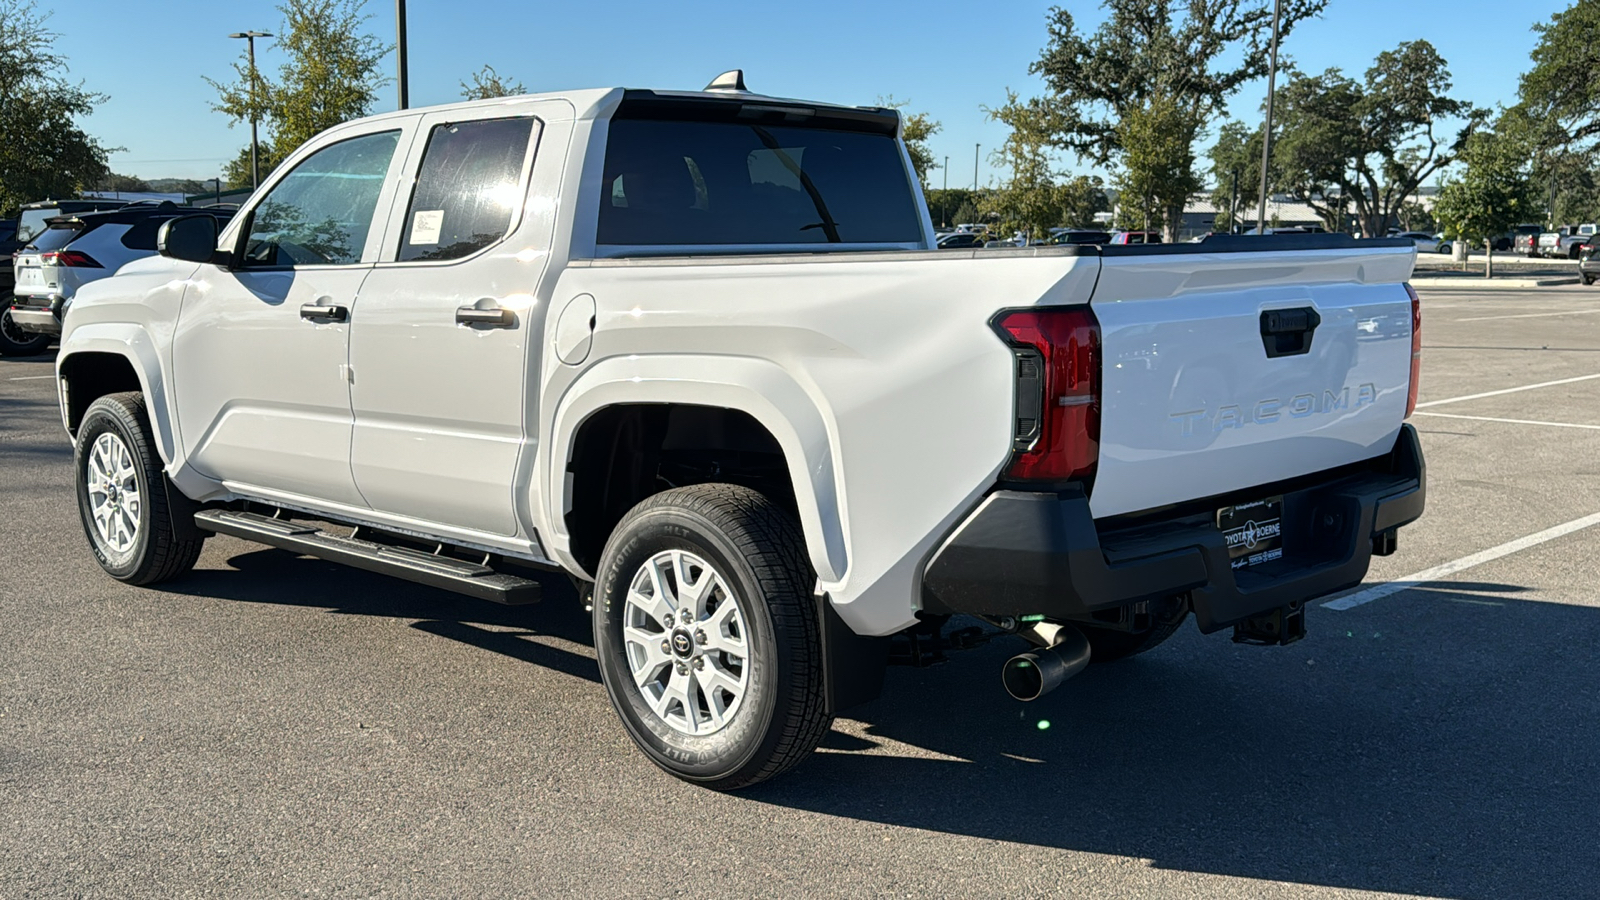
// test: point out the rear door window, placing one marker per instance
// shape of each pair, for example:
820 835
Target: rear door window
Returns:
721 183
468 188
321 213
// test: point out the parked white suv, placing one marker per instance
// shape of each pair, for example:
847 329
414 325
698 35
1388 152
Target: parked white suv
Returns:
697 351
72 250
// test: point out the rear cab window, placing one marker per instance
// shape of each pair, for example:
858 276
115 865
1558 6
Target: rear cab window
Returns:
721 176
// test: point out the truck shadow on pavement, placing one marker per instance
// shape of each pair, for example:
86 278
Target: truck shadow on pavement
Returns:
1439 748
284 579
1443 742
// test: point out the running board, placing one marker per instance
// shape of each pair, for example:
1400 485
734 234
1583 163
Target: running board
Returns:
472 579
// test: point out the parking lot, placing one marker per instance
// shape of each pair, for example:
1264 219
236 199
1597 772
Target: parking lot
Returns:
275 725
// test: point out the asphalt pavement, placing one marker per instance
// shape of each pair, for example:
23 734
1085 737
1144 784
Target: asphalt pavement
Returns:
275 725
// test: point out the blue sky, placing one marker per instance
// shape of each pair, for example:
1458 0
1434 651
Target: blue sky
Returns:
948 58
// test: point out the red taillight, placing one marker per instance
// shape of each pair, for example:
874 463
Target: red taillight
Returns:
72 259
1416 350
1056 430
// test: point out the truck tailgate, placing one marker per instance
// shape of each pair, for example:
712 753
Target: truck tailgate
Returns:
1194 406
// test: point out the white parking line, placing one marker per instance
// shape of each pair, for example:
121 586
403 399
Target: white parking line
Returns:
1526 387
1509 421
1378 592
1576 312
29 377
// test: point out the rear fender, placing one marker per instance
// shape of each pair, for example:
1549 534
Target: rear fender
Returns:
756 387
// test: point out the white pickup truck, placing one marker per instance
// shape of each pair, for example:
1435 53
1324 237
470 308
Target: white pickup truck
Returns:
1565 242
696 350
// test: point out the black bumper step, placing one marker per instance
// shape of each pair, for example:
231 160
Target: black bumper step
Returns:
472 579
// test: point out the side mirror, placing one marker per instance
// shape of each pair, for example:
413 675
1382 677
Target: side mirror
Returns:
190 238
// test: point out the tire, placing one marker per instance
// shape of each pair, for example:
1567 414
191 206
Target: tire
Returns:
129 529
1588 279
702 537
1109 645
16 342
1574 253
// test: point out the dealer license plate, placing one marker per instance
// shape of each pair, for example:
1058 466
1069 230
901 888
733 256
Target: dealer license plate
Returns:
30 277
1254 531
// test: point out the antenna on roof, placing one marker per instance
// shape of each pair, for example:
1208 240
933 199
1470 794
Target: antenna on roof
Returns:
731 80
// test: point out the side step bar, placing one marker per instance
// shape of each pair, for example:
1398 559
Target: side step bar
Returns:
472 579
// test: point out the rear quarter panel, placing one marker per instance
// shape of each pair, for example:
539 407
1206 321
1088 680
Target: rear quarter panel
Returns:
909 391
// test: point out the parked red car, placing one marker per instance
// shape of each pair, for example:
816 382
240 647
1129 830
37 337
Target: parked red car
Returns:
1136 237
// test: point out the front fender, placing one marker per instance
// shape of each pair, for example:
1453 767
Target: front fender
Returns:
756 387
133 343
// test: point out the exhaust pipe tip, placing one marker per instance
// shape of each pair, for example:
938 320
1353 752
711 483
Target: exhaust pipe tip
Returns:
1024 677
1029 676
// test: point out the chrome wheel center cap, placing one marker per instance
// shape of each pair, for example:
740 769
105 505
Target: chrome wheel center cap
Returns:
682 643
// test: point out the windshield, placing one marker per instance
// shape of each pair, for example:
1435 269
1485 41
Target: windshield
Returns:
724 183
31 222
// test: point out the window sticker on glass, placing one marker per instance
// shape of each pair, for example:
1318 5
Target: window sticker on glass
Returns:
425 226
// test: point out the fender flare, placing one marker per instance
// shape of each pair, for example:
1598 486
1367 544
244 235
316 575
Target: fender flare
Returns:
756 387
133 343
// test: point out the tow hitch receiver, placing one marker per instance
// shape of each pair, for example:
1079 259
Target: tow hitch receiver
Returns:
1284 625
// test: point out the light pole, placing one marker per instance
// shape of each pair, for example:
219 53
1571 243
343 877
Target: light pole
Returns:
975 148
1266 135
944 196
400 52
255 144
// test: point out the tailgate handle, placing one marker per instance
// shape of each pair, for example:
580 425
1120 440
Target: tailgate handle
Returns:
1287 332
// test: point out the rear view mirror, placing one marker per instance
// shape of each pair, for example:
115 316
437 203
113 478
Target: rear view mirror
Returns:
191 238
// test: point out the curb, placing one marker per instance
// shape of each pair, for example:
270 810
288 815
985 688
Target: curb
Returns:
1490 284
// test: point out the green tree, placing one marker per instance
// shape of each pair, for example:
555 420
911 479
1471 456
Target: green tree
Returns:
1561 92
1033 199
1157 172
1079 199
916 129
125 183
1367 146
1027 201
944 202
1492 194
332 75
967 212
1167 67
44 152
487 84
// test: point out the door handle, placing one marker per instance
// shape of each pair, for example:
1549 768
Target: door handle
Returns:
498 316
1287 332
320 311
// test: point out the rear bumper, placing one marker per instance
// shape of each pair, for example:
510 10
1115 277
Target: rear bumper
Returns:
40 315
1026 553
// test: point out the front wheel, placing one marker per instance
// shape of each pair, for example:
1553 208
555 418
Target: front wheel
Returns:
1588 279
16 342
122 495
708 637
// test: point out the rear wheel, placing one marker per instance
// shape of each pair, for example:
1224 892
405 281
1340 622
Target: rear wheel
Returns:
16 342
708 638
1588 279
122 495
